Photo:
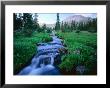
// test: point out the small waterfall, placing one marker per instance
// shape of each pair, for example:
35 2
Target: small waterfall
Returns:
52 60
44 60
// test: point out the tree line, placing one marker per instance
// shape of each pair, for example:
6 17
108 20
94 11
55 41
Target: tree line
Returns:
90 25
27 23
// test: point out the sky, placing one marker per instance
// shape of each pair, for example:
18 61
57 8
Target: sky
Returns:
50 18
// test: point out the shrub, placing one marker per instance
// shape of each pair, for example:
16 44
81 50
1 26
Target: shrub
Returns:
69 62
46 39
92 30
77 31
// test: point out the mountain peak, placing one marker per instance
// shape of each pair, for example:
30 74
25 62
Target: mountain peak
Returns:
77 18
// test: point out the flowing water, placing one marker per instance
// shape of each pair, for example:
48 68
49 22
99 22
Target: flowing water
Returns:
46 58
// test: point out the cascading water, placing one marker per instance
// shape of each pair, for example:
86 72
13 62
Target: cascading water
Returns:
44 60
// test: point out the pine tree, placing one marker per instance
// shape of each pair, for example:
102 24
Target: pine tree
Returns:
78 28
95 24
92 25
36 25
73 26
81 26
62 27
57 26
68 28
28 24
44 28
36 18
17 21
65 27
85 26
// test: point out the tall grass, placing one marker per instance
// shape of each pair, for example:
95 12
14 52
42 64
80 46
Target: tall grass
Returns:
82 51
25 48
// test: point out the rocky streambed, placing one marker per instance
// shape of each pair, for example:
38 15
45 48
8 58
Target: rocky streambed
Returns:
47 57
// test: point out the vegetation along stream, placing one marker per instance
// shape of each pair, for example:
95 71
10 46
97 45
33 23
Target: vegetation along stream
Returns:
55 44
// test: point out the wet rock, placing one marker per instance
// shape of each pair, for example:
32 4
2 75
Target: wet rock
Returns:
41 44
77 51
45 52
25 71
36 62
55 43
47 70
57 59
47 47
63 50
80 69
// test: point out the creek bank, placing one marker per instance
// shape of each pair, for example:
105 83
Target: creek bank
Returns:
46 59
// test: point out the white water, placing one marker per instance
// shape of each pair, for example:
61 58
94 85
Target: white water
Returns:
44 60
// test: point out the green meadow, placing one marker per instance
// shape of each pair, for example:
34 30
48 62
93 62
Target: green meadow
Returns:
81 51
25 48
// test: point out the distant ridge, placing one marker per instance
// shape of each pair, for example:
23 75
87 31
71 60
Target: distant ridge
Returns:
77 18
69 19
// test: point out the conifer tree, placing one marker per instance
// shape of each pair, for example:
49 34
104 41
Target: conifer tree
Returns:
44 28
17 21
73 26
57 26
28 24
36 24
62 27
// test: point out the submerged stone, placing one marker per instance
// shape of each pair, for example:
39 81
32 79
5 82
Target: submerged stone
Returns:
81 69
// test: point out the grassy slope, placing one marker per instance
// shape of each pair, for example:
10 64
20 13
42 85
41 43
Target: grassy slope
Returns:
25 48
82 50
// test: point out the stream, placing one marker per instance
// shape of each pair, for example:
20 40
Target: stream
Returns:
46 59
